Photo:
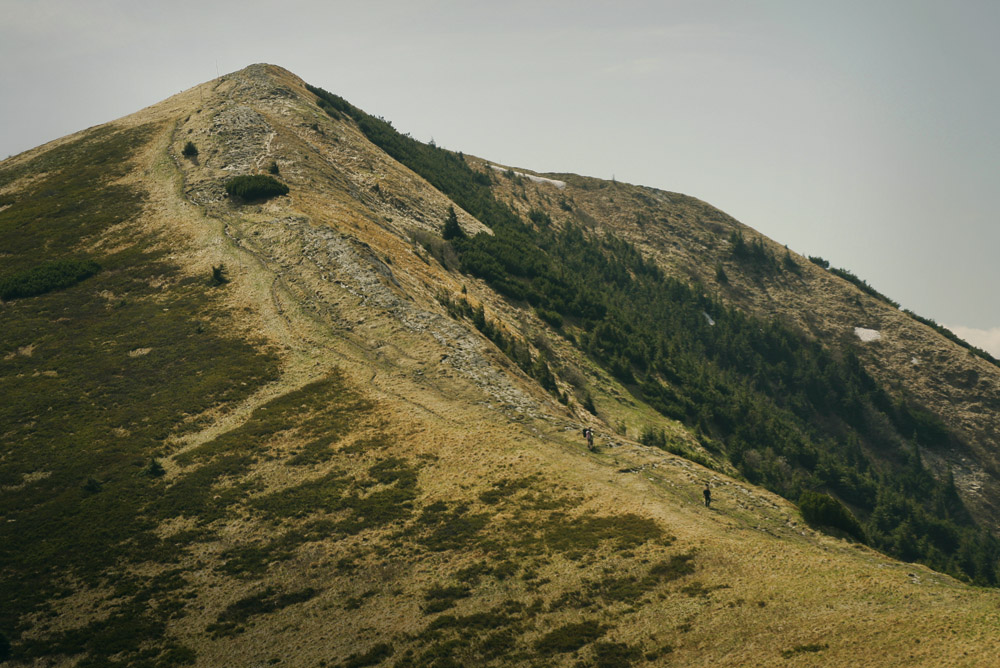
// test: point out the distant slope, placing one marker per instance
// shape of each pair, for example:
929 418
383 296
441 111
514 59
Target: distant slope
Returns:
692 240
307 430
791 413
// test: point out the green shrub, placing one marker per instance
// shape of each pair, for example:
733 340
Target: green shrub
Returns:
789 263
551 317
441 598
862 285
678 566
255 187
273 169
822 510
372 657
190 150
753 254
569 638
46 277
232 619
653 437
820 262
801 649
615 655
539 217
452 230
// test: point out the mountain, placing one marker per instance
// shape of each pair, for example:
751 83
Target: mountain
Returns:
283 386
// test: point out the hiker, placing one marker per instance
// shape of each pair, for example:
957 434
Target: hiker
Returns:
590 439
708 495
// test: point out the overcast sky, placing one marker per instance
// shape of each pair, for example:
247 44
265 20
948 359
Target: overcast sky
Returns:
867 133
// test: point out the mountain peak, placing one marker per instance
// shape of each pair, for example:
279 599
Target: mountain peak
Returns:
294 422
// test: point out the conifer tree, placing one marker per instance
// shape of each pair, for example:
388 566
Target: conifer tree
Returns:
452 230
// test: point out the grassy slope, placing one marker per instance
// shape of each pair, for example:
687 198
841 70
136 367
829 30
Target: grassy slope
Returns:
378 500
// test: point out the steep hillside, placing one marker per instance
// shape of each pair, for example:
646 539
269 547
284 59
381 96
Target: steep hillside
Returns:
792 412
692 240
307 430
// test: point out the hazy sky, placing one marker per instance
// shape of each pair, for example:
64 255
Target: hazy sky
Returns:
864 132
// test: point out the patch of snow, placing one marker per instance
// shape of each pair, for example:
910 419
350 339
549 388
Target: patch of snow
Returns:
532 177
867 335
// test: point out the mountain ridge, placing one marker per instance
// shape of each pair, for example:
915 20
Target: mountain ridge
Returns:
388 401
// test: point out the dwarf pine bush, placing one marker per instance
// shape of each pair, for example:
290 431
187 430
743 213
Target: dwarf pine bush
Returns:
46 277
822 510
255 187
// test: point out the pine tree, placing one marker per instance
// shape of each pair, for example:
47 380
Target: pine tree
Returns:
452 230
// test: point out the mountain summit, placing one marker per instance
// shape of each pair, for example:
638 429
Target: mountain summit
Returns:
284 386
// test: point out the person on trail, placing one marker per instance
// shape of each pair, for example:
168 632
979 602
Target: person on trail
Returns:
590 438
707 493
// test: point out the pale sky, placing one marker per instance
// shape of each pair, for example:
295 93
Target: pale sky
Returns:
867 133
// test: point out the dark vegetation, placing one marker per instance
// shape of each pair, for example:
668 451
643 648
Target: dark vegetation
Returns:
85 418
190 150
452 230
569 637
753 255
656 438
373 657
317 414
132 634
219 275
789 413
46 277
862 285
803 649
254 187
440 598
824 511
234 618
445 170
528 528
626 589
